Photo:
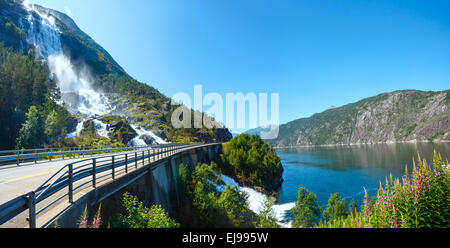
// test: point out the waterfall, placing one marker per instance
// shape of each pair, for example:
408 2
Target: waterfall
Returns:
77 94
139 140
74 84
256 200
77 131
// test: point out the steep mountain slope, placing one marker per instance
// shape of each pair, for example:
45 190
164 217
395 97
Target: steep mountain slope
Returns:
91 84
399 116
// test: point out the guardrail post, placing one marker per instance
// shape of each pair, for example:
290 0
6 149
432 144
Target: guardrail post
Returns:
70 183
152 155
126 163
149 157
32 210
94 172
136 160
35 156
113 174
18 154
143 158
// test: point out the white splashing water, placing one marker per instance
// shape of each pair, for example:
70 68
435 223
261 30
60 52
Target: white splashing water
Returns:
74 83
77 131
139 141
101 128
75 86
256 201
76 90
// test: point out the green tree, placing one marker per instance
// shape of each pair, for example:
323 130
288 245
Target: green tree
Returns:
306 211
266 218
31 133
52 124
23 82
336 208
205 204
235 205
252 160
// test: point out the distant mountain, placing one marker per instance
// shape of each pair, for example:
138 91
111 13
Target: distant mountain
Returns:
264 132
400 116
90 81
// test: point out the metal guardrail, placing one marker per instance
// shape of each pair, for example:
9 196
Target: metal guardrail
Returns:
30 155
47 149
75 175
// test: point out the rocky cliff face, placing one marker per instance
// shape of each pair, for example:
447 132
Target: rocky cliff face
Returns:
401 116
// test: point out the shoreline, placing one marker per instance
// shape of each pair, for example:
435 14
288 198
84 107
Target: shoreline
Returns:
365 144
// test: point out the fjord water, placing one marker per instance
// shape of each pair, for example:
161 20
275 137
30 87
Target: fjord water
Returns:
348 169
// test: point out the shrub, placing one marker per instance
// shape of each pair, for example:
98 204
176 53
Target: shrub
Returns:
139 216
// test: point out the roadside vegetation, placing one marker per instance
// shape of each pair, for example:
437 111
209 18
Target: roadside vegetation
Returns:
204 206
421 199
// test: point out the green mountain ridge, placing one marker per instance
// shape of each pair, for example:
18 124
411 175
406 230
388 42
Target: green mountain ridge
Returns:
400 116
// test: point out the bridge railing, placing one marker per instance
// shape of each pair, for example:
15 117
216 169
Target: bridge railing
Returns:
34 155
74 176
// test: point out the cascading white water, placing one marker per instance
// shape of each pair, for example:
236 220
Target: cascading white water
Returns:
101 128
77 131
139 141
77 93
76 90
256 201
74 84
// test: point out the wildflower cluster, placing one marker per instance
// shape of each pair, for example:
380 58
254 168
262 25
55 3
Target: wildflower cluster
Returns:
421 200
96 221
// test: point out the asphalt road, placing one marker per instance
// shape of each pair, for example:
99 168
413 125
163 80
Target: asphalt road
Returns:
19 180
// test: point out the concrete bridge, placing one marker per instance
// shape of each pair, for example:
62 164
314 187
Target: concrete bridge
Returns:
149 173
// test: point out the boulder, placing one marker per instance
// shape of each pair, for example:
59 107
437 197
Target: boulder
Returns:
122 131
149 140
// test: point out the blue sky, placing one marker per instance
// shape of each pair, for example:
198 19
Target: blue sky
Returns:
314 53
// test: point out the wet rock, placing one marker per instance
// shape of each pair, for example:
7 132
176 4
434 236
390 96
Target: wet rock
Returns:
122 131
149 140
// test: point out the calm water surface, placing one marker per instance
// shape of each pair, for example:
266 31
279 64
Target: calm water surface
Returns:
347 170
